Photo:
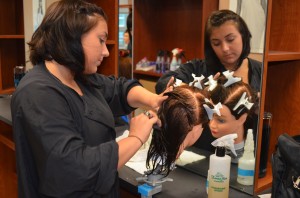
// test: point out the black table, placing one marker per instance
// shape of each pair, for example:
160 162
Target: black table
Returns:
185 183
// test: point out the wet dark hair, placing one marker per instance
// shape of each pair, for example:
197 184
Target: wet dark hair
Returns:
216 19
179 113
59 35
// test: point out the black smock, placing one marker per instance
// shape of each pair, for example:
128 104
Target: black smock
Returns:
65 143
199 67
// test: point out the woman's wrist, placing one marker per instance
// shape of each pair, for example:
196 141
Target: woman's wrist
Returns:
138 138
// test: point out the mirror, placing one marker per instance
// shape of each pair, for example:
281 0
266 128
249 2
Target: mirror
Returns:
171 27
125 38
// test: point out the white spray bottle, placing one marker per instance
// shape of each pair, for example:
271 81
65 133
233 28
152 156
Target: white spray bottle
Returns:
219 167
174 63
246 163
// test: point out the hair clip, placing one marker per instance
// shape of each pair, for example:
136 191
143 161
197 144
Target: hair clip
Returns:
207 100
177 83
197 81
210 111
243 101
231 80
211 83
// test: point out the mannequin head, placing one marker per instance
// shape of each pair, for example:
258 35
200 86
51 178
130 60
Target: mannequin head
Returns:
233 117
182 116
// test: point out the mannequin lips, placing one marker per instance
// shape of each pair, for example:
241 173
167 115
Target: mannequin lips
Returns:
214 133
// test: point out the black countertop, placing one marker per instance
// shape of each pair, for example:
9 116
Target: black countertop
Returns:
5 114
185 183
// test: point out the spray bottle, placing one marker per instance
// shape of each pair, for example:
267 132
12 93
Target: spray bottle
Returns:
159 61
246 163
168 55
174 63
179 57
219 167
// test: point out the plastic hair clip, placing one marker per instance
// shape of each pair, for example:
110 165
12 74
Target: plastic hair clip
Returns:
207 100
211 83
210 111
177 83
243 101
231 80
197 81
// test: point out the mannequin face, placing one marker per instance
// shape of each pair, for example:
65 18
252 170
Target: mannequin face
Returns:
227 43
226 124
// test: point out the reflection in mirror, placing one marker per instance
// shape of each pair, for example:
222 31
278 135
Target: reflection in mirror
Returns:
256 25
125 38
149 42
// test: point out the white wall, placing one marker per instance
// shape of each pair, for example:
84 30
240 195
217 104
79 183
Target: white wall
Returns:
28 26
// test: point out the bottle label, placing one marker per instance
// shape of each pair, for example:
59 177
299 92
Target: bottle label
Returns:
243 172
218 186
219 178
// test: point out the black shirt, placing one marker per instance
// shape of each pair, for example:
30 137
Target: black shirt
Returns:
65 143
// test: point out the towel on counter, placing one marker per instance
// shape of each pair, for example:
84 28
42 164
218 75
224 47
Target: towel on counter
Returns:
188 157
138 161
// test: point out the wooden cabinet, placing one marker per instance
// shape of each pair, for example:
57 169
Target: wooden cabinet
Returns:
8 175
12 44
281 77
169 24
12 50
109 65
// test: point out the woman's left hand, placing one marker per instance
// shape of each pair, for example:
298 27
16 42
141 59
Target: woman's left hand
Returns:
158 100
161 96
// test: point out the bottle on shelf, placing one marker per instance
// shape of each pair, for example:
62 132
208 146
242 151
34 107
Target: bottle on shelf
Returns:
174 62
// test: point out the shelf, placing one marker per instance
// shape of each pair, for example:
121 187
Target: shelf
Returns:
147 75
6 135
110 42
283 56
7 142
11 36
125 6
7 91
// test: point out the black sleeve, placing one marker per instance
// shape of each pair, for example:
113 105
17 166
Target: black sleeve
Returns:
184 73
115 91
255 74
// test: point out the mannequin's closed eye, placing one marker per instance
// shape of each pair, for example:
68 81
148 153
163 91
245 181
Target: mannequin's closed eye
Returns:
219 119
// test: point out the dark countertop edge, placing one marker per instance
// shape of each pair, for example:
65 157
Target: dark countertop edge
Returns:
5 113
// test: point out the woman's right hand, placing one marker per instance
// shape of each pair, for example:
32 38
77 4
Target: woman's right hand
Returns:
141 125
